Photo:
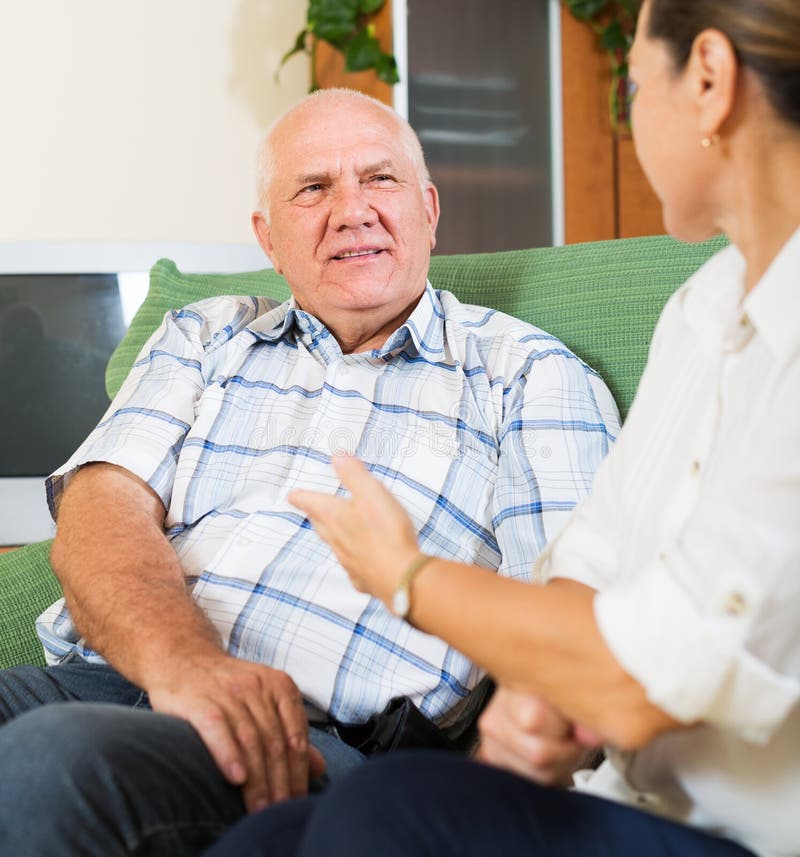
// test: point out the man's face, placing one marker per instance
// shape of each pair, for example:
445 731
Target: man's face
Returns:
350 227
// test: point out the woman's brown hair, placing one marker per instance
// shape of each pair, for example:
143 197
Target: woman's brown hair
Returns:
764 33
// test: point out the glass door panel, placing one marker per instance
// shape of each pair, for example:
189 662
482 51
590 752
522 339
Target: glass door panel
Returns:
479 99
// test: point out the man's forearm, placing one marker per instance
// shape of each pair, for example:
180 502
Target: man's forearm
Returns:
126 591
121 578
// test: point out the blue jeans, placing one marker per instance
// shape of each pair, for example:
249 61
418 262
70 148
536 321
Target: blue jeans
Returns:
87 768
429 804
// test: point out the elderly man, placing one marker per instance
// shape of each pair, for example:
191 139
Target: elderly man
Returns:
205 625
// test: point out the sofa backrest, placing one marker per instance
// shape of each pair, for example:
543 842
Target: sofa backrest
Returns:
602 298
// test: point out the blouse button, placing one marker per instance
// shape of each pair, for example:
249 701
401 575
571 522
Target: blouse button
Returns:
735 604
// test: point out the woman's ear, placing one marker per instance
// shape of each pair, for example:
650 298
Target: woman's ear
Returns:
714 69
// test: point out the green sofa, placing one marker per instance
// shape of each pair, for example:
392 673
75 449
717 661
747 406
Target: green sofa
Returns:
601 298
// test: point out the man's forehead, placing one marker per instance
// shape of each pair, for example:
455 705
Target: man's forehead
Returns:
315 158
328 128
338 163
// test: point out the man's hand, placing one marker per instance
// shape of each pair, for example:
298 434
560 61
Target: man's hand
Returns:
251 719
526 735
111 549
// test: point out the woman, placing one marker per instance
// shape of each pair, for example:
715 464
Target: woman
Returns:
665 622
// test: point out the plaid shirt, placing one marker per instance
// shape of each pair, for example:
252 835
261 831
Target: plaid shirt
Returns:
486 429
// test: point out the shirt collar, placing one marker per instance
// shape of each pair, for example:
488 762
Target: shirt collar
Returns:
717 308
712 297
773 306
422 333
278 322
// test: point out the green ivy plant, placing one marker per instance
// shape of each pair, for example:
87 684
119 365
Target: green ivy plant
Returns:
347 25
614 21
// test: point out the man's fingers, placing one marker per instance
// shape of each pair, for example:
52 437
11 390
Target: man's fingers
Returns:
268 756
295 727
316 762
261 787
217 734
252 720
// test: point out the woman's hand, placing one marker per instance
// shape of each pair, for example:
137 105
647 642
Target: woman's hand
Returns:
370 532
523 733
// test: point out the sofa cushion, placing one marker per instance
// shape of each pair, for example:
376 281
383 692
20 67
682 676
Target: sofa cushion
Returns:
27 586
602 298
172 289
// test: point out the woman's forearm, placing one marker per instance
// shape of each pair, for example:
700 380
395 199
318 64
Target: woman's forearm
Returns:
542 638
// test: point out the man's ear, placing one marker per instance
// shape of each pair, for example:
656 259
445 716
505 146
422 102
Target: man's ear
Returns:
714 71
261 229
431 197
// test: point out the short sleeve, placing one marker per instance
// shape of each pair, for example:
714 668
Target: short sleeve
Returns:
146 423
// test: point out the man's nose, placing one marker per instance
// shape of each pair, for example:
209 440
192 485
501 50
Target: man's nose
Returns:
351 208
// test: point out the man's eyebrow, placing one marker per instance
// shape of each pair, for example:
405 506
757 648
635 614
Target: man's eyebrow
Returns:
322 177
379 167
312 178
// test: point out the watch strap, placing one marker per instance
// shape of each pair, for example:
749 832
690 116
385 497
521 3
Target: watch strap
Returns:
401 600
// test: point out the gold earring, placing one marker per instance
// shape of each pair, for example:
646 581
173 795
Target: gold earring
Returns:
708 142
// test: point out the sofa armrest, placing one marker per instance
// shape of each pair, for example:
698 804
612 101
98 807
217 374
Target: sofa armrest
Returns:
27 586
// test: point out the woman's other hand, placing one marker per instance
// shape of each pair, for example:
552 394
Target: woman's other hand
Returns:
523 733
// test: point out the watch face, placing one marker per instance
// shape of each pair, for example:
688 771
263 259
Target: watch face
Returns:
400 603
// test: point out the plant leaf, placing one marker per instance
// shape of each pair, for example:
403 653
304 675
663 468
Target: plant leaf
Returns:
362 52
368 7
613 37
631 7
386 69
298 47
333 20
585 10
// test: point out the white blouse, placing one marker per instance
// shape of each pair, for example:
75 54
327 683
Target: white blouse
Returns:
692 537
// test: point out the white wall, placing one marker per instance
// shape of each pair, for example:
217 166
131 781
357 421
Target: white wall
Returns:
138 119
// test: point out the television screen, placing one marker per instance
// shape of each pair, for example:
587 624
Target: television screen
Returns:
64 307
57 332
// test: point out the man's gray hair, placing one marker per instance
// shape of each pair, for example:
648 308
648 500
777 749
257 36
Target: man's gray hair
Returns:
265 158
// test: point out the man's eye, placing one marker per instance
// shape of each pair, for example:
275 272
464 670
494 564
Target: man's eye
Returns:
310 188
383 178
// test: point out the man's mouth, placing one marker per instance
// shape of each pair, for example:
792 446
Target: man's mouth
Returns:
351 254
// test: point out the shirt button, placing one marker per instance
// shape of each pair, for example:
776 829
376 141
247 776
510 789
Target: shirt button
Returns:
735 604
694 468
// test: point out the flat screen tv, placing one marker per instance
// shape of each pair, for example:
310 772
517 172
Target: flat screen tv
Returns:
64 306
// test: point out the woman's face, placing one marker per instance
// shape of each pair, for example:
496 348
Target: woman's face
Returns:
667 137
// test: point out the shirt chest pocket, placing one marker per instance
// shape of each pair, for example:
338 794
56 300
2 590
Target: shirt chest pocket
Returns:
442 472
